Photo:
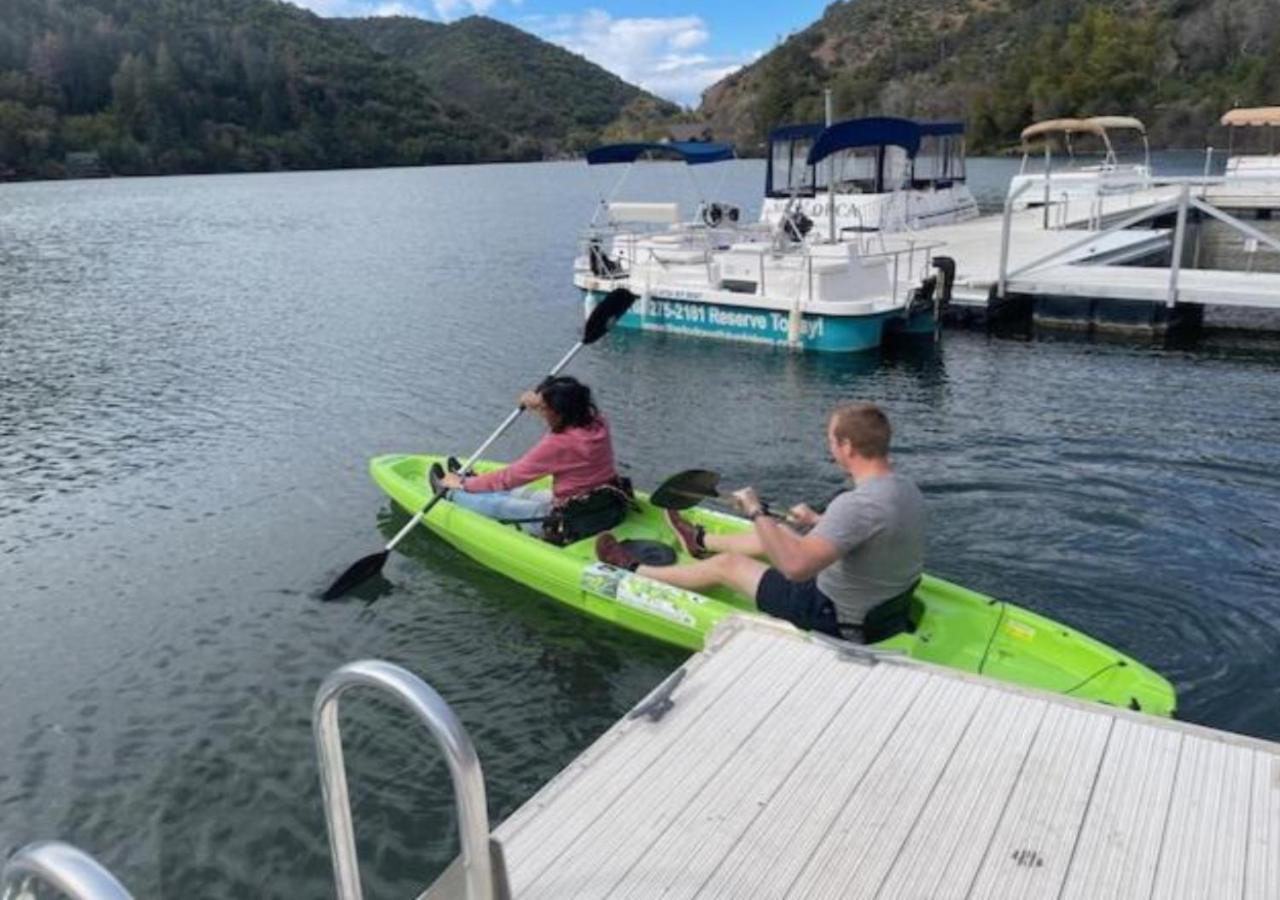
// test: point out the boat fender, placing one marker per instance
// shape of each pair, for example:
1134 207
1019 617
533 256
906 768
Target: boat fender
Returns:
946 267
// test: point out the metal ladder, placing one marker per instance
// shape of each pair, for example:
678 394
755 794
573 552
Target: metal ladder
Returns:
80 877
484 872
73 872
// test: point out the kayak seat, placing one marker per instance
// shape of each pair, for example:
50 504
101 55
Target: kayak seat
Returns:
589 514
894 616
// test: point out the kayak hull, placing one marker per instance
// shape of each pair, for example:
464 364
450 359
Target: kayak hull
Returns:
956 627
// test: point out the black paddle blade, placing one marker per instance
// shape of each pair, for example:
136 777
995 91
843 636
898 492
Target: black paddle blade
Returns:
609 310
360 571
687 489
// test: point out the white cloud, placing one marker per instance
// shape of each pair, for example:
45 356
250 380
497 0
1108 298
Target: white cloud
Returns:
662 55
440 9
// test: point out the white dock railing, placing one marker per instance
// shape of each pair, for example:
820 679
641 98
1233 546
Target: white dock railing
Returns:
73 872
1180 206
484 875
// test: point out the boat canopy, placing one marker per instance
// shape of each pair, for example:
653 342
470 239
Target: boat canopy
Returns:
879 131
1118 122
940 128
1255 116
691 152
871 155
1062 126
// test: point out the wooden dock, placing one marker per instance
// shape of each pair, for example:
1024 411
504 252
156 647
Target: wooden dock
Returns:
778 764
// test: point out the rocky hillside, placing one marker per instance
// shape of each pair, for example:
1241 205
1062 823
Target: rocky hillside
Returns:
999 64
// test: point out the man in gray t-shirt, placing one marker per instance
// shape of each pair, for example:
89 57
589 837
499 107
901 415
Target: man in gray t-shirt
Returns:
878 527
867 548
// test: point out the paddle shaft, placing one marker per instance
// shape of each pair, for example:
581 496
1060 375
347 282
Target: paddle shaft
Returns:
466 467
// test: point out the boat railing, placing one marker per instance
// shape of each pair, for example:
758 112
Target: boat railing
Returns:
906 273
484 874
1191 196
71 871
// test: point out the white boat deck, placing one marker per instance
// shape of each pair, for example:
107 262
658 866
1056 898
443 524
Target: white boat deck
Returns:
785 767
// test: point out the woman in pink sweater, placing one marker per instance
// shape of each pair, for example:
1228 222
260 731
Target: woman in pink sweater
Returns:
576 452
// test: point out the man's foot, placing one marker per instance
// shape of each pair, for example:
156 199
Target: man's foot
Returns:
434 474
693 537
452 464
608 550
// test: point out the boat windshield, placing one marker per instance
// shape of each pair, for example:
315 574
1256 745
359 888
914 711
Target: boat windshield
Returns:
789 174
940 161
865 170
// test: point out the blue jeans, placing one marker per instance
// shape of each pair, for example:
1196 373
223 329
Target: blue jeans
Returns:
522 503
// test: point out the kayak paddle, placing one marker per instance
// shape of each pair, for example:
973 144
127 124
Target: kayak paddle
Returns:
689 488
603 316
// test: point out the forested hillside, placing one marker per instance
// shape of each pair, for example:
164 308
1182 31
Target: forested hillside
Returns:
166 86
554 100
1000 64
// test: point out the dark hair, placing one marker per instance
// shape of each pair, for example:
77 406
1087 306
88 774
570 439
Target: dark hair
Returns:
570 400
865 426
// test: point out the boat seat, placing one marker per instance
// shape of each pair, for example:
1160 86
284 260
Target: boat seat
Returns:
586 515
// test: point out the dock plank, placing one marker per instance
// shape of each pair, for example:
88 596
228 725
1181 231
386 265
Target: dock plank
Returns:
1119 842
770 854
1262 871
942 855
619 830
1206 835
1031 849
744 786
863 841
597 778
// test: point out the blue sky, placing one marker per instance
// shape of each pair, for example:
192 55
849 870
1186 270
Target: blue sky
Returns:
674 49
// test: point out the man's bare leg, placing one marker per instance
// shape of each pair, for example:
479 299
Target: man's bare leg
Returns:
747 543
741 573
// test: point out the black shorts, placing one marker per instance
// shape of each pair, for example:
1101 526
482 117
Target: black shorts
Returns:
799 602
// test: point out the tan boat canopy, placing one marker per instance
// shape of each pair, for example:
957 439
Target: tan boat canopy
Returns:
1117 122
1093 125
1062 126
1252 116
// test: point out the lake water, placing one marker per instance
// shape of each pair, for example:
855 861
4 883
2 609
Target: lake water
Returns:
194 372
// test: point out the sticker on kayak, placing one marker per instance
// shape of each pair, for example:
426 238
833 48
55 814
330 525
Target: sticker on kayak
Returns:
1019 631
639 593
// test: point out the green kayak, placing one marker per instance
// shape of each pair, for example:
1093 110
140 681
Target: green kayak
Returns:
955 627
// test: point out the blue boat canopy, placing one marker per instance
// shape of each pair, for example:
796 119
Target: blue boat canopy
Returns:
691 152
873 132
791 132
931 128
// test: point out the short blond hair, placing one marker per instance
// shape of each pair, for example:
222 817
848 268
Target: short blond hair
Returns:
865 427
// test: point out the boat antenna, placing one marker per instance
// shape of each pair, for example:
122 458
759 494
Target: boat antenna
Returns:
831 170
